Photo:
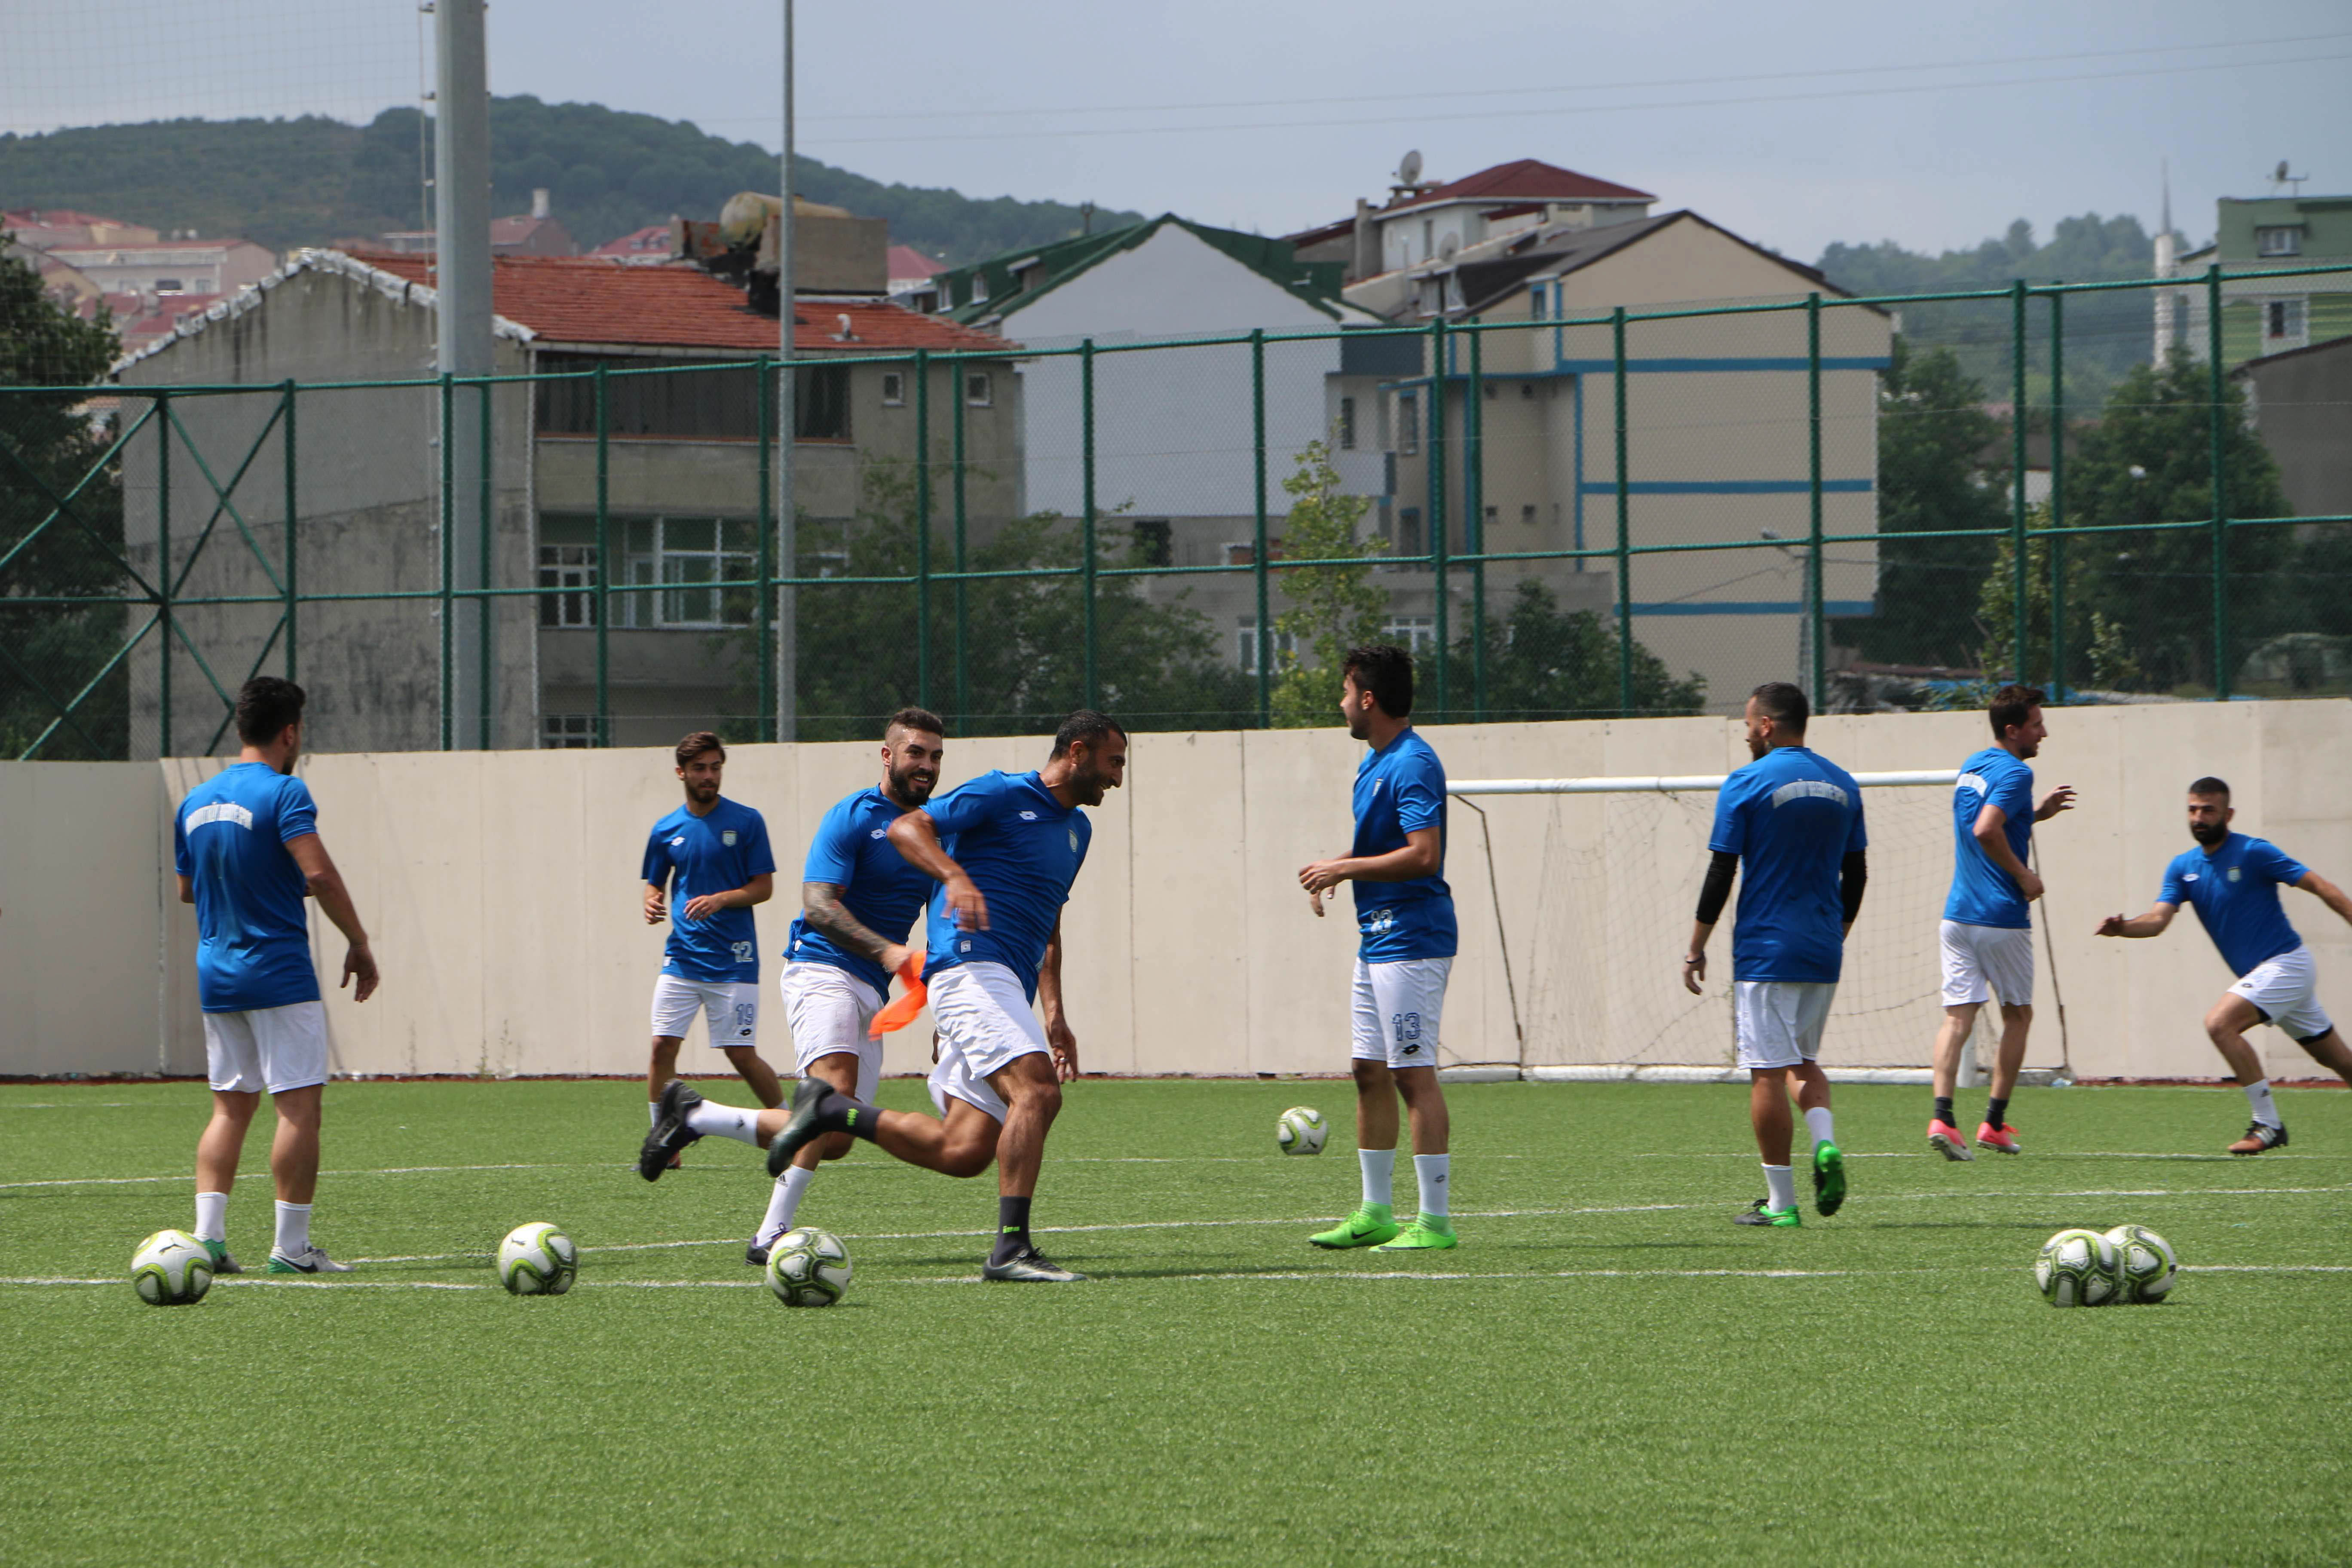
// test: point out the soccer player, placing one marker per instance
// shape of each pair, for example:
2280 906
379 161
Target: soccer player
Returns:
1987 931
859 898
1404 917
1790 824
1004 848
712 854
2233 881
246 845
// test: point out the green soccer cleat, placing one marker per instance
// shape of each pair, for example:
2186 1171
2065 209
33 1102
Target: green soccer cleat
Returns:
1829 1179
1370 1226
222 1262
1758 1213
1427 1233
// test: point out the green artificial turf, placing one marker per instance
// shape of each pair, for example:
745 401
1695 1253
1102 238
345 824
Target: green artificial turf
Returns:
1607 1369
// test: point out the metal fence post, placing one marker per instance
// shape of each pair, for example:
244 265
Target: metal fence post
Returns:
162 417
2018 574
2057 494
1437 541
1474 523
764 651
483 602
448 547
1258 570
293 596
1624 528
2221 487
963 597
1087 567
922 528
604 567
1817 661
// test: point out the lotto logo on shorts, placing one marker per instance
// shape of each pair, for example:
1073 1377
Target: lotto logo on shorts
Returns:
1408 1033
746 1015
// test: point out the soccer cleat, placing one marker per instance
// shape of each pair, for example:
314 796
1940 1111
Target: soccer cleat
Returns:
1427 1233
1758 1213
222 1262
756 1253
1370 1226
1029 1267
2003 1138
808 1106
671 1133
1944 1139
309 1260
2259 1137
1829 1179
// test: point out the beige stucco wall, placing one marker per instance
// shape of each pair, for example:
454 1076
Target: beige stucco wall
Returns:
502 892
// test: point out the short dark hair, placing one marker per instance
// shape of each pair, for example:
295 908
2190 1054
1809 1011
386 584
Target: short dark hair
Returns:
694 745
2012 704
922 718
2209 784
265 706
1385 670
1784 704
1087 725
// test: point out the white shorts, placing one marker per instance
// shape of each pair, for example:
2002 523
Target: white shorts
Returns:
732 1007
1780 1021
276 1048
985 1023
2286 989
1396 1008
1984 961
828 1010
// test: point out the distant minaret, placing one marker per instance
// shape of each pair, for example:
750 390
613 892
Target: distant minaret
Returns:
2166 265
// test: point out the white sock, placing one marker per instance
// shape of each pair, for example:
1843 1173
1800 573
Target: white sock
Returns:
1430 1170
725 1121
293 1229
1783 1185
1380 1171
1818 1120
785 1202
2258 1095
653 1112
212 1216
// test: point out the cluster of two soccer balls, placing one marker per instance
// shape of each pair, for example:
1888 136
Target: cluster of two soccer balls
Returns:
2095 1269
805 1267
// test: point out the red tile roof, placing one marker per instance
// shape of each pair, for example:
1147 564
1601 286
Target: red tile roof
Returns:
1525 180
653 238
906 261
588 300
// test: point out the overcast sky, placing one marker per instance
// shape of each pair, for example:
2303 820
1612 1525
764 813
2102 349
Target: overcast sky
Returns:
1795 125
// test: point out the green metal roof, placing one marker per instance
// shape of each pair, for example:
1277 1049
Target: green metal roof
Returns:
1316 283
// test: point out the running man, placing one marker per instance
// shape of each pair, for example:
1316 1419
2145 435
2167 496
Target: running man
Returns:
1404 915
1790 823
246 845
711 854
1004 848
1987 929
859 898
2233 881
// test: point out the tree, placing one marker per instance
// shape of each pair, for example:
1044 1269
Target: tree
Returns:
53 446
1542 664
2096 644
1332 607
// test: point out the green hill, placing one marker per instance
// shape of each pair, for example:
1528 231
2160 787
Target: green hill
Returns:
288 183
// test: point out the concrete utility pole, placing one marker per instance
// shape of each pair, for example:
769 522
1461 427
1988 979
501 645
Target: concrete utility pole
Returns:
788 696
461 234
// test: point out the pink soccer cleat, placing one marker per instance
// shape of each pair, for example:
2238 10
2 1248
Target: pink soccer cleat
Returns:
1944 1139
2003 1138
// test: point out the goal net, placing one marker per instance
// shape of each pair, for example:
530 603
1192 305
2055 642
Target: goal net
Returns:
1592 884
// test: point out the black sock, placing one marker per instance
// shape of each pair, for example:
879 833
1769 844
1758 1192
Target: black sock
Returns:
1994 1109
1011 1228
1943 1109
855 1117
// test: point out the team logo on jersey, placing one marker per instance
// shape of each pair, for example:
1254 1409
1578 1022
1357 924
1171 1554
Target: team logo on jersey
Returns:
1073 840
2189 876
1028 817
726 837
677 841
879 833
2233 873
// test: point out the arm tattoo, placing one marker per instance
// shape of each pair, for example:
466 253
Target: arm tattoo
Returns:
821 906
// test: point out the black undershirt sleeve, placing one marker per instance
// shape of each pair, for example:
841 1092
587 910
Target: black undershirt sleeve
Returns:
1717 887
1851 875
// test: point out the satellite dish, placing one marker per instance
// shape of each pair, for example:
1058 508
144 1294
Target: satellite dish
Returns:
1408 170
1448 246
2279 174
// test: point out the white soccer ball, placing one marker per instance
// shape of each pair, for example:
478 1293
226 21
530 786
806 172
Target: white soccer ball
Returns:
1301 1130
172 1268
808 1269
537 1259
2144 1263
2077 1269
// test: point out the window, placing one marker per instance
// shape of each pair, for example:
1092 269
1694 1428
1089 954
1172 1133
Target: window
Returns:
1528 515
1409 422
573 568
1428 237
2282 318
560 732
170 286
979 390
685 559
1154 545
1526 392
1346 424
1417 634
1246 646
1493 514
2284 241
710 403
1494 389
978 286
1408 540
894 389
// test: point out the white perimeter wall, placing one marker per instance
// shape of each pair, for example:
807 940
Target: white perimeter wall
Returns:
501 889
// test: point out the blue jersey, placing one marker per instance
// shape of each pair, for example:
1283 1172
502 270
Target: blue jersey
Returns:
688 856
1792 818
2234 891
252 937
1401 789
1022 848
1982 893
852 850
